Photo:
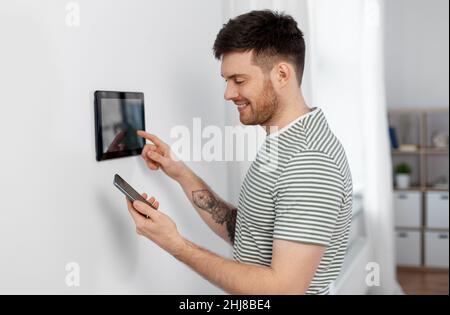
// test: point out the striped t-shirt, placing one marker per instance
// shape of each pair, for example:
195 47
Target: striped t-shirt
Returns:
299 188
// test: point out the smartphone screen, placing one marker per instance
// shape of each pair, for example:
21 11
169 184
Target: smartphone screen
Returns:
129 191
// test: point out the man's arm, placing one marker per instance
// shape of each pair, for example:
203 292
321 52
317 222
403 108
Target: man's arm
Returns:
219 215
292 269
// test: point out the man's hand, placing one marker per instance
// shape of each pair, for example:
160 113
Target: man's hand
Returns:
217 214
158 227
158 155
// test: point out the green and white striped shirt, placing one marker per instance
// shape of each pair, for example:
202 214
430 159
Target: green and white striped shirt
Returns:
299 188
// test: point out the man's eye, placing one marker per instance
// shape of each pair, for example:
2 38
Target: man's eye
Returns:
239 82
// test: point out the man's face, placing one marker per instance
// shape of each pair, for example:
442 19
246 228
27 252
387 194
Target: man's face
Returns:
249 88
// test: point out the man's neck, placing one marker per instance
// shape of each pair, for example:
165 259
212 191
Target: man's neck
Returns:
289 114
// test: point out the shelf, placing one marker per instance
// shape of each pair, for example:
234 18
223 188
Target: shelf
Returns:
412 188
428 163
435 189
421 229
435 151
399 152
417 110
421 151
409 228
422 189
435 229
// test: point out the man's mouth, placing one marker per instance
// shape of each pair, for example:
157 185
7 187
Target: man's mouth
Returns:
242 106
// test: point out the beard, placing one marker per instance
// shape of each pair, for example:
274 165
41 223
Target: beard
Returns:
263 109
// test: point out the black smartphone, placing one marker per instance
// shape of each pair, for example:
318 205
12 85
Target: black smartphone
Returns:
129 191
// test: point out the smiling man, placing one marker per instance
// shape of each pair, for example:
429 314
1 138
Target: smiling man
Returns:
290 229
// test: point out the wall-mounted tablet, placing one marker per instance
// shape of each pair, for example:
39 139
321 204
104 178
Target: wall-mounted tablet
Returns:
118 115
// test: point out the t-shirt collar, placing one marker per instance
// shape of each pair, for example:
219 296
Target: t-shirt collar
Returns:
292 123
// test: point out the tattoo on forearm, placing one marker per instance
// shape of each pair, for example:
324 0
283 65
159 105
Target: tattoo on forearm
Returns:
220 212
231 224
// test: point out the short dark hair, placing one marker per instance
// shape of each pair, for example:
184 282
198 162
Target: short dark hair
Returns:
272 37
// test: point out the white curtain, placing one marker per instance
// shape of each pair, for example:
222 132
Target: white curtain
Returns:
344 76
348 81
378 190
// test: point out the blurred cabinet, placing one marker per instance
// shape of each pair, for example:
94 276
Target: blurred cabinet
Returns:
407 207
436 249
437 210
408 248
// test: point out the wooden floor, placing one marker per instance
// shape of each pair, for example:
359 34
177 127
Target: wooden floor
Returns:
423 281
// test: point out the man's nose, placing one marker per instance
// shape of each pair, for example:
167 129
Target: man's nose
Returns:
230 93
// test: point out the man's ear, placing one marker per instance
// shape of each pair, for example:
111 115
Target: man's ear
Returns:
283 74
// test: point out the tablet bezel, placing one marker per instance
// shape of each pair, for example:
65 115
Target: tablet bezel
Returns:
98 96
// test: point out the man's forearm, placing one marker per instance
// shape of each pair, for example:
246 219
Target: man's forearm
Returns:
231 276
218 215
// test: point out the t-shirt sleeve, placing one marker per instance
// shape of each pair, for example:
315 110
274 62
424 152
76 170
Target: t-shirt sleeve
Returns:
308 197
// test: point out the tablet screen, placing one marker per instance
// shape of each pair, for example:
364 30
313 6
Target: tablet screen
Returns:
118 116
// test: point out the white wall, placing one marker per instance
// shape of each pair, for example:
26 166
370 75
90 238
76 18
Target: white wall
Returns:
417 51
57 204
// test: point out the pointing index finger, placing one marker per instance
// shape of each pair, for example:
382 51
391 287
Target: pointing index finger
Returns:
150 137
